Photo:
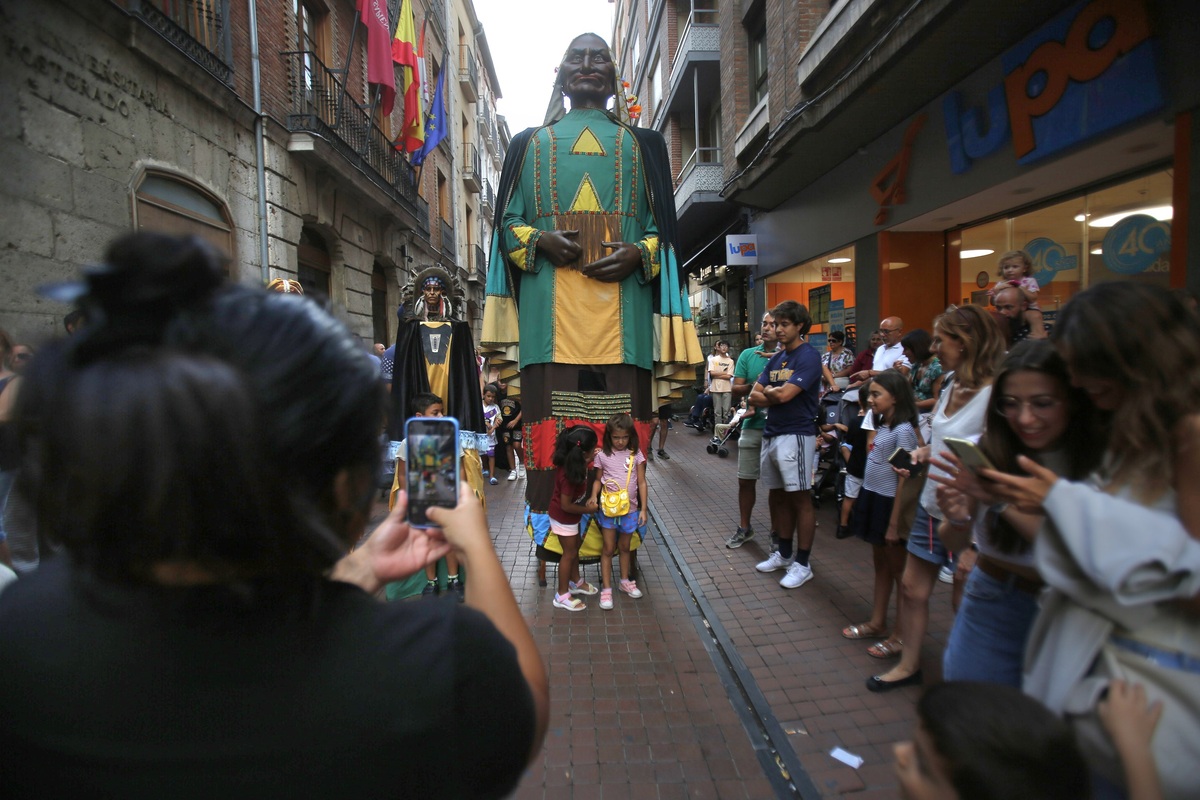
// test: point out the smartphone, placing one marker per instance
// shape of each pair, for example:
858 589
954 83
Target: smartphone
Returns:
902 459
431 466
968 453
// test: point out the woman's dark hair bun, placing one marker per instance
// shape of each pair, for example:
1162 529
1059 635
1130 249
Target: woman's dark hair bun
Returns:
146 281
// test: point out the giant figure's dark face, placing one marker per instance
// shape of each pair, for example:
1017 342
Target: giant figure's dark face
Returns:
587 73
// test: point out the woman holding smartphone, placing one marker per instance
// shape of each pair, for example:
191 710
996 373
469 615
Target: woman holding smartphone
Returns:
1122 557
206 454
1033 412
968 343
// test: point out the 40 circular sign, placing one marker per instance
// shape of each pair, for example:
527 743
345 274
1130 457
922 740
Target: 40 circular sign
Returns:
1136 242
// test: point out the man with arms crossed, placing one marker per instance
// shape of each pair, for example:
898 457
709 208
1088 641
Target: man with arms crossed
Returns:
790 387
750 364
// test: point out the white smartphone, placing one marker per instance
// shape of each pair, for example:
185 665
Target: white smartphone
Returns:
431 466
968 453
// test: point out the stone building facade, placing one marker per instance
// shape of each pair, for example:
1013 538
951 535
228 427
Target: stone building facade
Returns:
250 124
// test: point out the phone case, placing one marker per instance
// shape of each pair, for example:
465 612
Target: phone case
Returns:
431 466
969 453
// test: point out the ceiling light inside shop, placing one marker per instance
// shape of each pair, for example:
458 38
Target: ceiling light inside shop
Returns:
1158 212
839 261
1098 251
975 253
1080 217
897 264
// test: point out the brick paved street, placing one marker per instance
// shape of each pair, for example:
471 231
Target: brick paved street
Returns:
717 683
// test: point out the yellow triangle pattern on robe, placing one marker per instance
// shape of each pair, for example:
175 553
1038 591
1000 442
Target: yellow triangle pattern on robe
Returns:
586 198
587 144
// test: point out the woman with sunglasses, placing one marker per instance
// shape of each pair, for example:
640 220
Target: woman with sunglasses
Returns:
1122 557
1033 412
968 343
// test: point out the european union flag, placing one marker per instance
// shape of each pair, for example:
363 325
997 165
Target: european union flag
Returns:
435 123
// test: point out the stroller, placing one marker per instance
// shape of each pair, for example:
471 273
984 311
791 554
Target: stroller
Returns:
717 445
700 418
837 409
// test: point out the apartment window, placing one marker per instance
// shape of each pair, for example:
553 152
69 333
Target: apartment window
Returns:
758 60
443 191
170 204
312 40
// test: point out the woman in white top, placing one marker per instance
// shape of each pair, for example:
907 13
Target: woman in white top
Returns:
968 342
1122 557
1033 412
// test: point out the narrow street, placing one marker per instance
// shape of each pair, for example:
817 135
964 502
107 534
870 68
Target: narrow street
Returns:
717 683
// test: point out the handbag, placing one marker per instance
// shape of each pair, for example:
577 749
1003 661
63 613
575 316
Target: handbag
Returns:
614 499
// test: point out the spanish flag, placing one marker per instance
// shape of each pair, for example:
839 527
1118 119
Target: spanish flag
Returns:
406 54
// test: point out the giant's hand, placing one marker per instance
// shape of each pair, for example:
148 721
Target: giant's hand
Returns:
617 265
560 247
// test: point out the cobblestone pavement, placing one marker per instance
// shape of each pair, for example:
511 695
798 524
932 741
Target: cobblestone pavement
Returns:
717 683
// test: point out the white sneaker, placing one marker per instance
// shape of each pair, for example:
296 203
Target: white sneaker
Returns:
797 575
946 574
521 473
512 476
773 562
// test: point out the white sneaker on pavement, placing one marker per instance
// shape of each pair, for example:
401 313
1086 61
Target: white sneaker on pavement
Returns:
774 562
797 575
512 475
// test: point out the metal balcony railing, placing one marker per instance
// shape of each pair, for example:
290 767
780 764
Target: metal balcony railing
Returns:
199 28
472 176
468 74
478 271
321 106
487 198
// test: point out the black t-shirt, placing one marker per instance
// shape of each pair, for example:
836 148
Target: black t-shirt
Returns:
318 691
509 409
856 437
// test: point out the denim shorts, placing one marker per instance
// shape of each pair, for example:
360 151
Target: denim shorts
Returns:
627 523
987 641
923 539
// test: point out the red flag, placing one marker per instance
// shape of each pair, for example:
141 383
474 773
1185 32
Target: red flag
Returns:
374 14
412 132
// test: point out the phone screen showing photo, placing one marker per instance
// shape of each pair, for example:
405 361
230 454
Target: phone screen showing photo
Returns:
431 453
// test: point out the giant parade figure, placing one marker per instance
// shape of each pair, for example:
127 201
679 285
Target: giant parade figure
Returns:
584 293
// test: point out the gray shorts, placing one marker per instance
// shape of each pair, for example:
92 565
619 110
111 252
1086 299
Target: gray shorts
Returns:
787 462
749 452
853 484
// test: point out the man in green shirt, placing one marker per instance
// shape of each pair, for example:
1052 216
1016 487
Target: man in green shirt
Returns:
750 365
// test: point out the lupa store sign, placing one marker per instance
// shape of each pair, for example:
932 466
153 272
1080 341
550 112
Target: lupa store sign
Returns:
1087 71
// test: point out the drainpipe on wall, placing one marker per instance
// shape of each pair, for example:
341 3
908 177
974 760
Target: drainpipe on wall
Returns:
260 166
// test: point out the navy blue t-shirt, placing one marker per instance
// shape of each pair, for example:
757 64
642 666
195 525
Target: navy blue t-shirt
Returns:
802 367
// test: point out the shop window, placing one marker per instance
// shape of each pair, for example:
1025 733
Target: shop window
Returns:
170 204
826 286
1119 232
314 265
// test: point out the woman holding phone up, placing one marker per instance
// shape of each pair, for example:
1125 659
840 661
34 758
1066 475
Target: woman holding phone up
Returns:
1033 412
206 454
968 343
1122 557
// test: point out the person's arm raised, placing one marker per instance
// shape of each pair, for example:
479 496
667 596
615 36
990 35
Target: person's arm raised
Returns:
489 592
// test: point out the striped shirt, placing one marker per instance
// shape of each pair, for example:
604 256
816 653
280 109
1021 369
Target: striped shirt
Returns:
880 477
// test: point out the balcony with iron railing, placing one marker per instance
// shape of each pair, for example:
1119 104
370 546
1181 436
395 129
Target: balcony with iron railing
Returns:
487 198
487 127
468 74
448 248
322 110
477 272
199 28
472 175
